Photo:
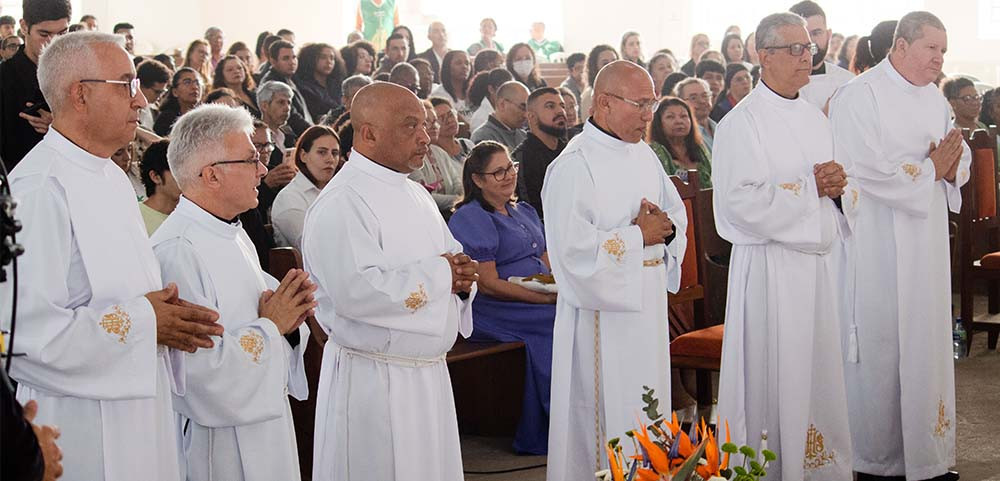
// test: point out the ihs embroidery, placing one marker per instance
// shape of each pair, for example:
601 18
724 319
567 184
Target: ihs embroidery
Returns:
943 423
816 454
253 344
417 299
615 247
117 322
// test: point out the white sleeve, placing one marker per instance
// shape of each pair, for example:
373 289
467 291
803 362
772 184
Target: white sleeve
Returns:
242 378
748 202
600 269
671 203
71 346
359 280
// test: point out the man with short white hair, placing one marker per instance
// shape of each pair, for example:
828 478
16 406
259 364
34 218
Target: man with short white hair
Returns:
94 322
785 204
274 99
438 36
237 420
893 127
826 76
698 94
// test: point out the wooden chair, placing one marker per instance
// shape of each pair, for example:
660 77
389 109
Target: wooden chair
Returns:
487 380
552 73
698 345
283 259
978 237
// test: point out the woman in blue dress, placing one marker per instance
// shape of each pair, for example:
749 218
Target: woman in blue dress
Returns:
507 239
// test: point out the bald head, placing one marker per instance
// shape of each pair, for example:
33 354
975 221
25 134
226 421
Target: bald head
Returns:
621 76
390 126
405 75
624 100
512 104
512 88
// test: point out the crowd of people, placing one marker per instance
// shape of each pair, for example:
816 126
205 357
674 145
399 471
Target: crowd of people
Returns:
421 189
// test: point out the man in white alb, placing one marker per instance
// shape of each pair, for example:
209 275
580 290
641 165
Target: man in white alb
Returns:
92 320
826 76
785 204
235 417
615 226
893 132
394 292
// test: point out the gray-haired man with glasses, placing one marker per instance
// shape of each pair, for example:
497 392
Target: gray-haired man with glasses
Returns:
785 204
506 125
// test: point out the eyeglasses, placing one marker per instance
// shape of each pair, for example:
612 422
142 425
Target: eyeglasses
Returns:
189 81
644 106
224 162
971 98
796 49
265 148
133 85
523 105
696 97
501 174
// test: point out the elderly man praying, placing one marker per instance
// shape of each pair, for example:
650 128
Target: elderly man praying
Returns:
237 423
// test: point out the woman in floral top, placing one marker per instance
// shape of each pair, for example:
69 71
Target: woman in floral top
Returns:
678 145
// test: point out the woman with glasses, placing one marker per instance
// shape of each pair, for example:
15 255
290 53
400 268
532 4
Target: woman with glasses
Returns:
441 175
185 94
677 143
966 103
507 239
317 156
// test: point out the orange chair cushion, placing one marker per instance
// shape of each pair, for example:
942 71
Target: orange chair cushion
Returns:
701 343
990 261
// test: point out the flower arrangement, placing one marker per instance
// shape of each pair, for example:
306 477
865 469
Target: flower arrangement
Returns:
663 452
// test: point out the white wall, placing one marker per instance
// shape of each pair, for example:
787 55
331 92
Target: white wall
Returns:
580 24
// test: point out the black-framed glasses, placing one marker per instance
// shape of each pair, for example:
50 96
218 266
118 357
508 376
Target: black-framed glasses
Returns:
797 49
644 106
225 162
133 85
500 174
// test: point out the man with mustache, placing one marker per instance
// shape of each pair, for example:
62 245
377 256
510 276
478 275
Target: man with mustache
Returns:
393 296
826 77
546 131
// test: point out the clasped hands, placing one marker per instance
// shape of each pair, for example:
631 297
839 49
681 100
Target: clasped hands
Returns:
655 224
831 179
946 156
291 303
464 272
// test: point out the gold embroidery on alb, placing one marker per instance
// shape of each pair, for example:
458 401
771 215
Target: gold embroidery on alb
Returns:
816 454
615 247
854 198
417 299
118 323
795 188
912 170
943 423
253 344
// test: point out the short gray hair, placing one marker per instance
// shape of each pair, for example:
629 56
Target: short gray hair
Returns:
71 58
767 35
688 81
355 82
269 89
911 26
211 31
197 139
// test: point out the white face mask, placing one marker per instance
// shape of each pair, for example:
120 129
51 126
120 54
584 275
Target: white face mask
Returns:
523 67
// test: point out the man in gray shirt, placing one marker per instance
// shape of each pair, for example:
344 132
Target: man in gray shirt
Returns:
506 124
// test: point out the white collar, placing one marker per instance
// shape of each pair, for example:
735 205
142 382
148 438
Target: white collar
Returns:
376 170
73 152
207 220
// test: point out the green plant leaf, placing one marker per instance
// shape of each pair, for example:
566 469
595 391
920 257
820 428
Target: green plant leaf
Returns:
748 452
740 470
614 443
754 465
730 448
629 433
769 455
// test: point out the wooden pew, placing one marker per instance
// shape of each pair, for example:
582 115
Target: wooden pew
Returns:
553 73
698 344
978 236
487 380
283 259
